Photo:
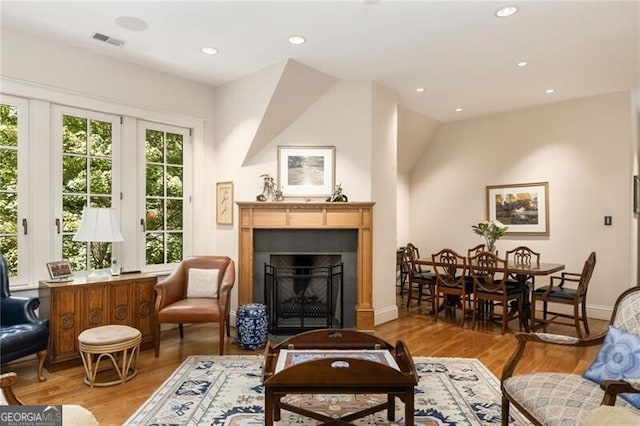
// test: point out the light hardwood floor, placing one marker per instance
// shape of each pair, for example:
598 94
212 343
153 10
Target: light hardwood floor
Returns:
423 336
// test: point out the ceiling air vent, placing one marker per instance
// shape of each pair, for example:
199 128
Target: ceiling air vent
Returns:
105 38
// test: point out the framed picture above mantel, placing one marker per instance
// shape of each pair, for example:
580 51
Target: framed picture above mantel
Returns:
306 171
523 207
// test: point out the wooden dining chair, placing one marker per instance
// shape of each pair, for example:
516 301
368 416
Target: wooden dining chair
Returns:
525 257
421 283
559 292
489 274
451 269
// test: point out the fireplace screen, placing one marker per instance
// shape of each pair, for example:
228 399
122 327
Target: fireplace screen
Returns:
303 296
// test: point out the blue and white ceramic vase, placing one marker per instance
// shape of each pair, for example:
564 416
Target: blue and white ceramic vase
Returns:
252 326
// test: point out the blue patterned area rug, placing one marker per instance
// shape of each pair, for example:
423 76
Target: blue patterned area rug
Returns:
227 390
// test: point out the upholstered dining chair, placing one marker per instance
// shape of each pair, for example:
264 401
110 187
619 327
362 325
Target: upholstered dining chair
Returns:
559 292
489 274
553 398
421 283
451 281
197 291
22 333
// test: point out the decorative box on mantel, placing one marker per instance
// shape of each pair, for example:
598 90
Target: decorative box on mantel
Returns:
310 215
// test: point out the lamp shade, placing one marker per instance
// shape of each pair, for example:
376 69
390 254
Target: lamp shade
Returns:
98 225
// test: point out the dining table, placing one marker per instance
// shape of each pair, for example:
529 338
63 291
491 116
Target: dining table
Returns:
521 272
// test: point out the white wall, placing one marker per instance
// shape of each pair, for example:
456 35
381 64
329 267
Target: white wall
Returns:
344 117
403 215
50 73
384 163
581 147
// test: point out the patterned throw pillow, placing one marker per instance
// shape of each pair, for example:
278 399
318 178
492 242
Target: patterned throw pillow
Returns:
202 283
619 358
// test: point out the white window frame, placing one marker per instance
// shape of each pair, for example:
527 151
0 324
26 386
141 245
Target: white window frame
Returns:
187 149
22 279
56 168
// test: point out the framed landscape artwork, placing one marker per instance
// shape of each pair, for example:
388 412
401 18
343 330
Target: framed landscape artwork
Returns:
224 203
306 171
523 207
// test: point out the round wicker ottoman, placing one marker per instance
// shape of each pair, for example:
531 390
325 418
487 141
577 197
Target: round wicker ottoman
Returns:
119 343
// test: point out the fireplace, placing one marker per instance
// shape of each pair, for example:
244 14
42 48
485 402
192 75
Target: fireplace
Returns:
304 292
355 219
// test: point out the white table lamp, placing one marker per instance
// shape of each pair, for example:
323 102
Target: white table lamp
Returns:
100 225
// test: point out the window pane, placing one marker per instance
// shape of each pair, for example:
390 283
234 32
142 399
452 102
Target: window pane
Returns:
9 249
8 213
100 176
174 181
97 201
155 249
174 148
74 252
155 180
8 169
174 247
101 138
8 126
174 215
72 206
74 174
154 146
155 214
74 137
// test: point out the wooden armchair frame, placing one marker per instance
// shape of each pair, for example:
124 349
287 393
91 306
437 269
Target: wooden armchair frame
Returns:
611 388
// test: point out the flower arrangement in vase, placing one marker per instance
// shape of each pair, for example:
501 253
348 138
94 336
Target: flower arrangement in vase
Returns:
491 231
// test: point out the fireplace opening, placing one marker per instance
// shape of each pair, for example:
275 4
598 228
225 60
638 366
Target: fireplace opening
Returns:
304 292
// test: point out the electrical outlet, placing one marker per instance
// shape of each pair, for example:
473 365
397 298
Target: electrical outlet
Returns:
608 220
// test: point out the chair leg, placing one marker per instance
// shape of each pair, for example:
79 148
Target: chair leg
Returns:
576 321
42 355
228 325
157 338
544 316
221 327
505 411
584 317
532 316
181 330
419 293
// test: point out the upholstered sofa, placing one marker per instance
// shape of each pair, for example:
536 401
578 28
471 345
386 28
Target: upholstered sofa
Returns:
21 332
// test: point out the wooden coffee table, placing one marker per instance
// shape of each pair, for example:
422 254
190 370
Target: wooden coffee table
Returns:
334 361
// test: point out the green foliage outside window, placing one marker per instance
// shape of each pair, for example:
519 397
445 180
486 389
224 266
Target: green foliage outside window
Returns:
9 186
86 181
164 197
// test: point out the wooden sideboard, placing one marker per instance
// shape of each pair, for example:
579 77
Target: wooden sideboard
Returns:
80 304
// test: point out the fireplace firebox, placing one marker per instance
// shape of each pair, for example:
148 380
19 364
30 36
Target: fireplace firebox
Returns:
304 292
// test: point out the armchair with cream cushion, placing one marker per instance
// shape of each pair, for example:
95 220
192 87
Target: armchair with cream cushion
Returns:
198 291
552 398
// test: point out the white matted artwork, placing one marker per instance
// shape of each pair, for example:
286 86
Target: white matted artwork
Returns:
306 171
523 207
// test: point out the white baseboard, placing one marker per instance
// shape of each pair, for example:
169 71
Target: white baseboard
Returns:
386 314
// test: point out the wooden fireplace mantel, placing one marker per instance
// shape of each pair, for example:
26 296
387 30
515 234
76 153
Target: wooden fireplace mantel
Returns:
310 215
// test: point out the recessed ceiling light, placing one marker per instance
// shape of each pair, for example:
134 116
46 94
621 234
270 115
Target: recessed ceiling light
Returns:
297 40
506 11
522 64
209 50
132 23
549 91
458 109
420 89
